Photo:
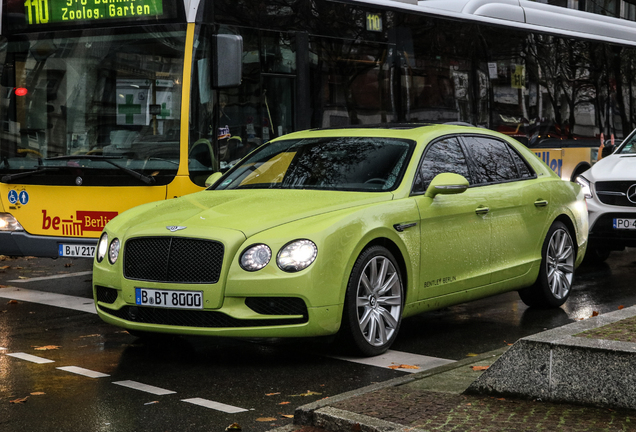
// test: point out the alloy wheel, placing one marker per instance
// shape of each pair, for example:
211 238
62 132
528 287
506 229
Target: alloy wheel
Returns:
560 262
379 301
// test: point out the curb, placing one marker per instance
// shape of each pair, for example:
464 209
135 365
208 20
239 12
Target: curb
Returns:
554 366
558 366
321 414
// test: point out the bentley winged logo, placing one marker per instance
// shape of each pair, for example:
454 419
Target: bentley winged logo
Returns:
175 228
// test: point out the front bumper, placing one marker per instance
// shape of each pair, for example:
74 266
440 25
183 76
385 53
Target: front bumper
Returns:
602 232
265 304
239 317
21 243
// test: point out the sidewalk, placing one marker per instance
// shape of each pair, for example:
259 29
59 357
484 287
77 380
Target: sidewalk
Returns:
580 377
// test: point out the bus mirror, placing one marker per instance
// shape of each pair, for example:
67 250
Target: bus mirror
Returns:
228 61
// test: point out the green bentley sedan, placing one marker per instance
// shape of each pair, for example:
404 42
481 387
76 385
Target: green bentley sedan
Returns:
345 232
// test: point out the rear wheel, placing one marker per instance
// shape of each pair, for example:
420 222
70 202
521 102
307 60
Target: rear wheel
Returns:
553 285
373 302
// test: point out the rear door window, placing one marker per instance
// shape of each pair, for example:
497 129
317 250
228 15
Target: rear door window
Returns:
492 161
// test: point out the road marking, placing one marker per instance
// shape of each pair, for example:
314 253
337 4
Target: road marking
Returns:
81 304
144 387
391 359
84 372
215 405
388 360
31 358
60 276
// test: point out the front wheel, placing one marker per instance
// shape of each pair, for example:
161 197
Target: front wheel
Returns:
373 302
554 283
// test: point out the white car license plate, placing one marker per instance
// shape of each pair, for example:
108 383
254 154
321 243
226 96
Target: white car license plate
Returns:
76 250
620 223
169 298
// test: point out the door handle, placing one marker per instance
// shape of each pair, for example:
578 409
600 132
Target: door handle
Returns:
482 210
541 203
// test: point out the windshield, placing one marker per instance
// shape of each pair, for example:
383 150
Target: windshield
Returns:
105 107
628 146
339 163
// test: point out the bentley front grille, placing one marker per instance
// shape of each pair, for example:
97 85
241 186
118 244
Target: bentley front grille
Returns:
173 260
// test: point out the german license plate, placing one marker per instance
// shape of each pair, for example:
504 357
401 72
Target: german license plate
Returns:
76 250
169 298
620 223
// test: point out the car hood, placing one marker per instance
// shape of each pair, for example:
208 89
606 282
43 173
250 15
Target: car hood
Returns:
248 211
614 167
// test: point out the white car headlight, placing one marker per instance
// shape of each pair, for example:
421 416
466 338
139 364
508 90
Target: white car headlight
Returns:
255 257
102 248
585 186
297 255
113 251
9 223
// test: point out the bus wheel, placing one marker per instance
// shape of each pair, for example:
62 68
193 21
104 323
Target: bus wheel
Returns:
553 285
374 302
578 172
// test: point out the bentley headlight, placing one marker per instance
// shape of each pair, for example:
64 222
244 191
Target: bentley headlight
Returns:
102 247
255 257
9 223
585 186
113 251
297 255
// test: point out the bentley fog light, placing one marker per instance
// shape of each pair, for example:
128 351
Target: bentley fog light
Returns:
9 223
102 248
297 255
585 186
255 257
113 251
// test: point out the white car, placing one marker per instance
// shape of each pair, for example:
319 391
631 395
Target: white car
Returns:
610 192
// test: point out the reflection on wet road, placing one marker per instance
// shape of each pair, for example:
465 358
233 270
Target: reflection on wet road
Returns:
60 365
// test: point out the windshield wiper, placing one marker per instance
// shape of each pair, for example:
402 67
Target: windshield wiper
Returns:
10 177
139 176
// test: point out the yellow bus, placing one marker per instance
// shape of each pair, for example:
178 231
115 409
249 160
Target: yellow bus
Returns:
568 158
96 116
109 104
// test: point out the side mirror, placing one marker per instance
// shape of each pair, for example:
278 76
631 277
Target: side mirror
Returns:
446 184
608 150
228 61
213 178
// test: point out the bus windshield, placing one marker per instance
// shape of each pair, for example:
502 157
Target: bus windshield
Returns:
103 107
628 147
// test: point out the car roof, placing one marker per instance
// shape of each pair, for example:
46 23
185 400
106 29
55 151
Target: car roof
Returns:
412 131
396 126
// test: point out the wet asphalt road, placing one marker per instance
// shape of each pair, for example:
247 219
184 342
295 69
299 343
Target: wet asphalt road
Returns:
256 385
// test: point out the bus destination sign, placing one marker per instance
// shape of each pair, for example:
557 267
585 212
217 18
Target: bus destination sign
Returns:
39 12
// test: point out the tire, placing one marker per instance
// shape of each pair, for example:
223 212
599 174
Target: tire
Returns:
554 283
374 302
